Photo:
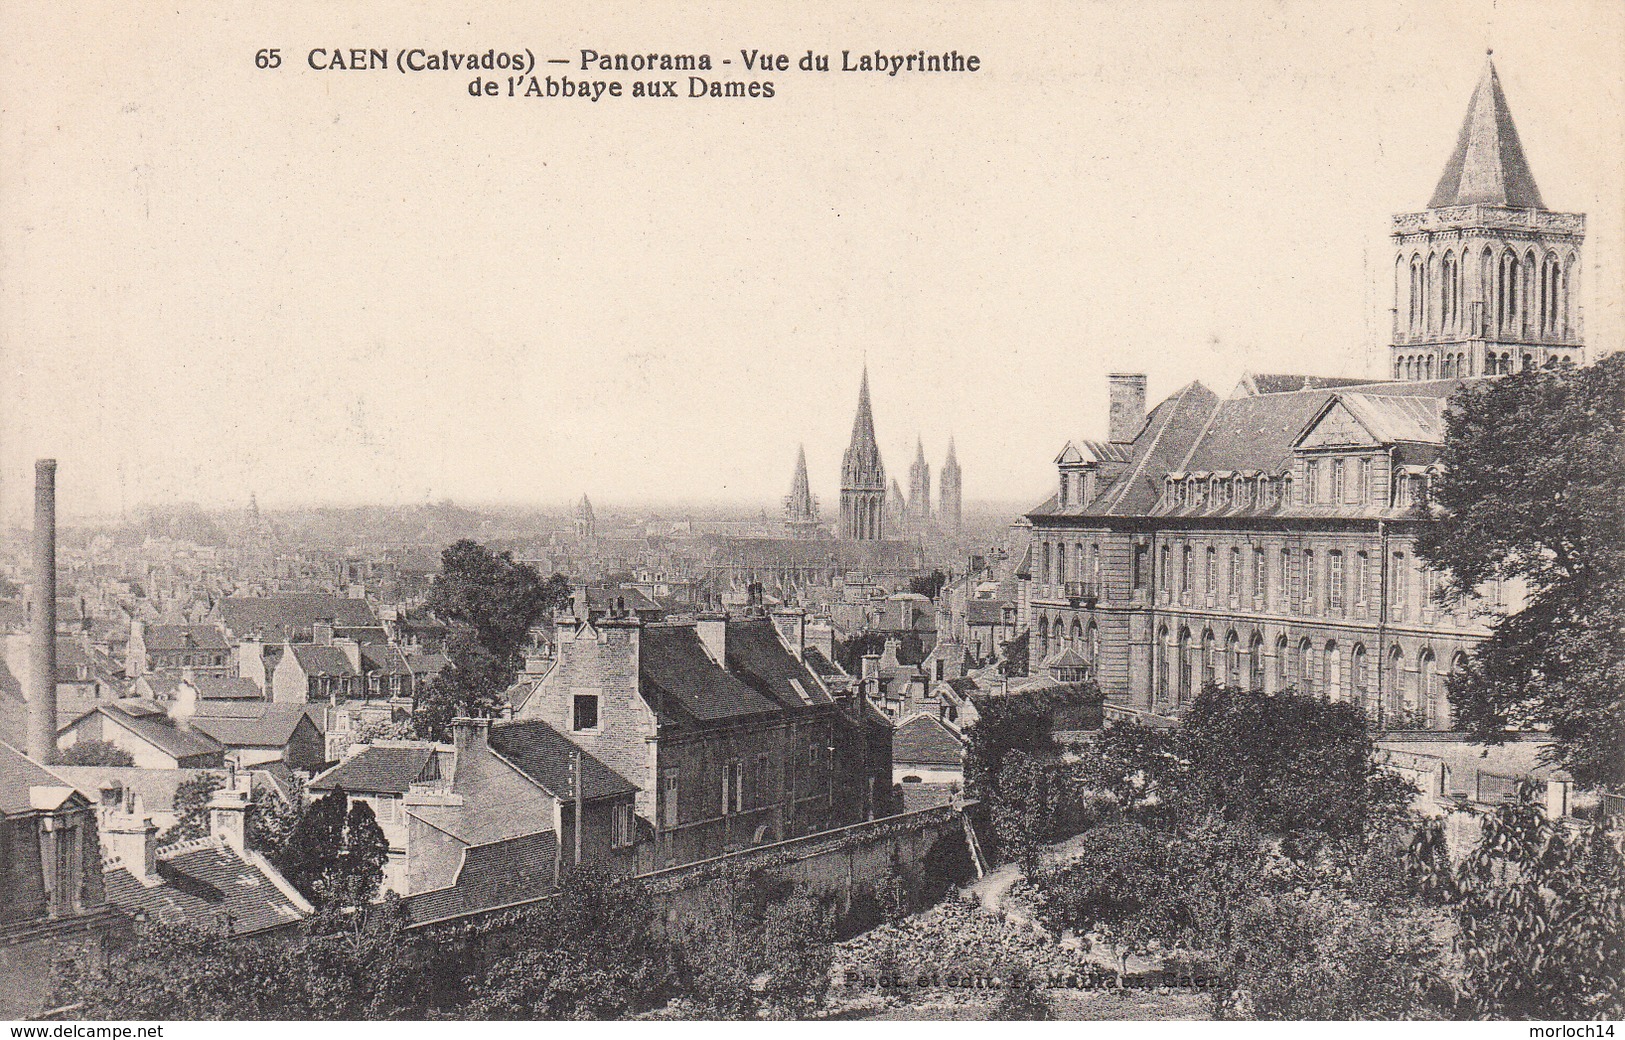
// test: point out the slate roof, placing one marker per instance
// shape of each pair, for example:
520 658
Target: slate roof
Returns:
206 879
681 682
1487 165
1194 431
543 754
383 659
838 554
183 637
18 774
756 656
157 730
230 688
925 740
381 769
822 666
272 728
279 618
155 786
984 612
492 875
323 660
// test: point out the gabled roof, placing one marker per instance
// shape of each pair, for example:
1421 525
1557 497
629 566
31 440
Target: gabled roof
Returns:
496 874
278 618
274 728
682 683
1388 418
183 637
230 688
923 739
323 660
756 656
206 882
19 775
383 658
382 769
1487 165
543 754
157 730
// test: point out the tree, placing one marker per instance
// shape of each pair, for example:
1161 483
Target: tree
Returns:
336 853
192 808
588 953
96 753
489 601
1014 655
1135 764
1005 725
1531 489
1540 912
928 585
273 818
1292 766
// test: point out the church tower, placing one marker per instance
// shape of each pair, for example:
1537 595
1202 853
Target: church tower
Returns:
950 489
1486 279
586 523
863 477
919 484
800 507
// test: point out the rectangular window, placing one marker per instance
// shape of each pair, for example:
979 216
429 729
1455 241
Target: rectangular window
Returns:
1137 576
1185 571
586 712
1165 579
1337 587
1364 494
625 828
1311 481
1337 479
1260 578
1311 590
1296 579
1210 569
1401 584
1283 580
1235 575
1362 578
733 788
668 799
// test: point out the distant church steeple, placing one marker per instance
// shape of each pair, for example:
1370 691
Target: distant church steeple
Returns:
863 476
1486 279
950 489
586 523
919 484
800 507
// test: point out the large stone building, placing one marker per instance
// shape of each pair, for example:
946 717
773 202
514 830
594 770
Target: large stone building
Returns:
725 726
1267 538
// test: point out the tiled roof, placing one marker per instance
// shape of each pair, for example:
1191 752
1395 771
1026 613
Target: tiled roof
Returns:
380 769
493 875
277 618
821 665
543 754
273 728
383 659
184 637
755 655
984 612
155 786
925 740
1266 383
206 882
682 683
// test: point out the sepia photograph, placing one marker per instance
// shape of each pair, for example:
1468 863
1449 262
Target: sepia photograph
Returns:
463 558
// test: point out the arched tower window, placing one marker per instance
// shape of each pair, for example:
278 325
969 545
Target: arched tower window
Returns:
1334 671
1232 659
1183 692
1283 678
1162 664
1255 662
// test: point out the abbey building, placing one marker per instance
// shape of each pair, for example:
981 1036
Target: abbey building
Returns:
1267 536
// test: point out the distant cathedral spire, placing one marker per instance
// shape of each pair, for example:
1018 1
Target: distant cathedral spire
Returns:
949 489
863 476
586 523
919 484
800 507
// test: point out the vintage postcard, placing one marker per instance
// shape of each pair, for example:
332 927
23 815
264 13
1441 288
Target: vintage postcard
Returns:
939 511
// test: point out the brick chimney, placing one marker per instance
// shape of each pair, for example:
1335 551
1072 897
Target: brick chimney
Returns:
713 632
321 632
42 647
1126 405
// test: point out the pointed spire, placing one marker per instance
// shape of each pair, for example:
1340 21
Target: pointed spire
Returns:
861 466
919 450
799 506
1488 165
952 461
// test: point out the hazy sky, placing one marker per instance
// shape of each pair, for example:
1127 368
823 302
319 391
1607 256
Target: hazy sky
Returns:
347 286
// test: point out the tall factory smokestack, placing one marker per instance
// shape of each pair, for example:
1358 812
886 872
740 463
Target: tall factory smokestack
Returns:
42 648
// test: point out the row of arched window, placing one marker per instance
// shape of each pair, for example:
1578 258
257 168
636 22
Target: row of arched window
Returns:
1410 695
1059 563
1525 296
1084 639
